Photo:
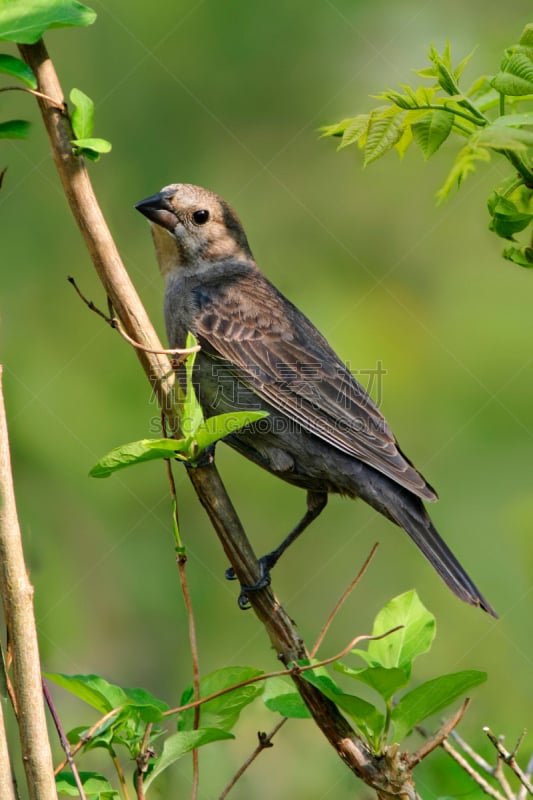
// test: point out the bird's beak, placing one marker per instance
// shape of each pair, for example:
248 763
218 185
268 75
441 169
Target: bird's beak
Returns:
158 209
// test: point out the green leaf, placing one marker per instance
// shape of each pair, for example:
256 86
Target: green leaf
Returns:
526 39
430 698
415 637
367 717
445 75
83 115
385 681
148 707
96 145
213 429
14 129
432 130
464 165
192 415
523 256
95 785
92 689
176 745
18 69
222 712
105 696
25 21
507 218
281 695
336 129
499 137
512 120
517 77
384 131
126 455
357 128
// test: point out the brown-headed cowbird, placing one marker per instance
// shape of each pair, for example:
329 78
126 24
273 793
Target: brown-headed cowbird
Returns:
323 432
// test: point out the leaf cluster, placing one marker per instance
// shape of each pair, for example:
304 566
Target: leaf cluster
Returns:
25 22
133 718
493 115
387 669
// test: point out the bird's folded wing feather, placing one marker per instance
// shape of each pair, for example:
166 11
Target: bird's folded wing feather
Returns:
282 357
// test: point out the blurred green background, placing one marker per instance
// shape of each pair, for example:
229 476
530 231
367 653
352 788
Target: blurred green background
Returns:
230 96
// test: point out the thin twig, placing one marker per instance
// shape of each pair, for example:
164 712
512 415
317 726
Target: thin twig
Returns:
115 323
342 599
35 93
473 773
294 669
442 734
121 776
193 643
475 756
265 741
509 759
182 561
89 735
142 762
522 792
65 744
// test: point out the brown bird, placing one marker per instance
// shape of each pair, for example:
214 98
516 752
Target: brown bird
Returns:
323 432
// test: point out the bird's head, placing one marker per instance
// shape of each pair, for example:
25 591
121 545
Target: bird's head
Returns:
193 228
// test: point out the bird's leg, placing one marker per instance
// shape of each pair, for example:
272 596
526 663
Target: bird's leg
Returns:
316 502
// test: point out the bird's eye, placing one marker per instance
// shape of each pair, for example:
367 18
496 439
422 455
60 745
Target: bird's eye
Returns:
201 216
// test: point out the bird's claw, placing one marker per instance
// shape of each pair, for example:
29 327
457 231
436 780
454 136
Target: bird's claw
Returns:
262 583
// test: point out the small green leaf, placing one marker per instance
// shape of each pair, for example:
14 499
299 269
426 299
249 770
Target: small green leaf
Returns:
384 131
92 689
385 681
499 137
464 165
127 455
83 115
514 120
357 128
25 21
369 720
95 785
18 69
336 129
526 39
507 219
14 129
517 77
192 414
432 130
222 712
430 698
445 75
96 145
176 745
213 429
414 638
281 695
523 256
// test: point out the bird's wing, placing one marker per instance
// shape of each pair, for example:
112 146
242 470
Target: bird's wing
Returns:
280 355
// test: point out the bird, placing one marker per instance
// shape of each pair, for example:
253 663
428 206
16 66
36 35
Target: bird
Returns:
323 432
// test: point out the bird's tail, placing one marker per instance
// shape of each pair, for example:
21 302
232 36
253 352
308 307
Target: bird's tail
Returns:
407 510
